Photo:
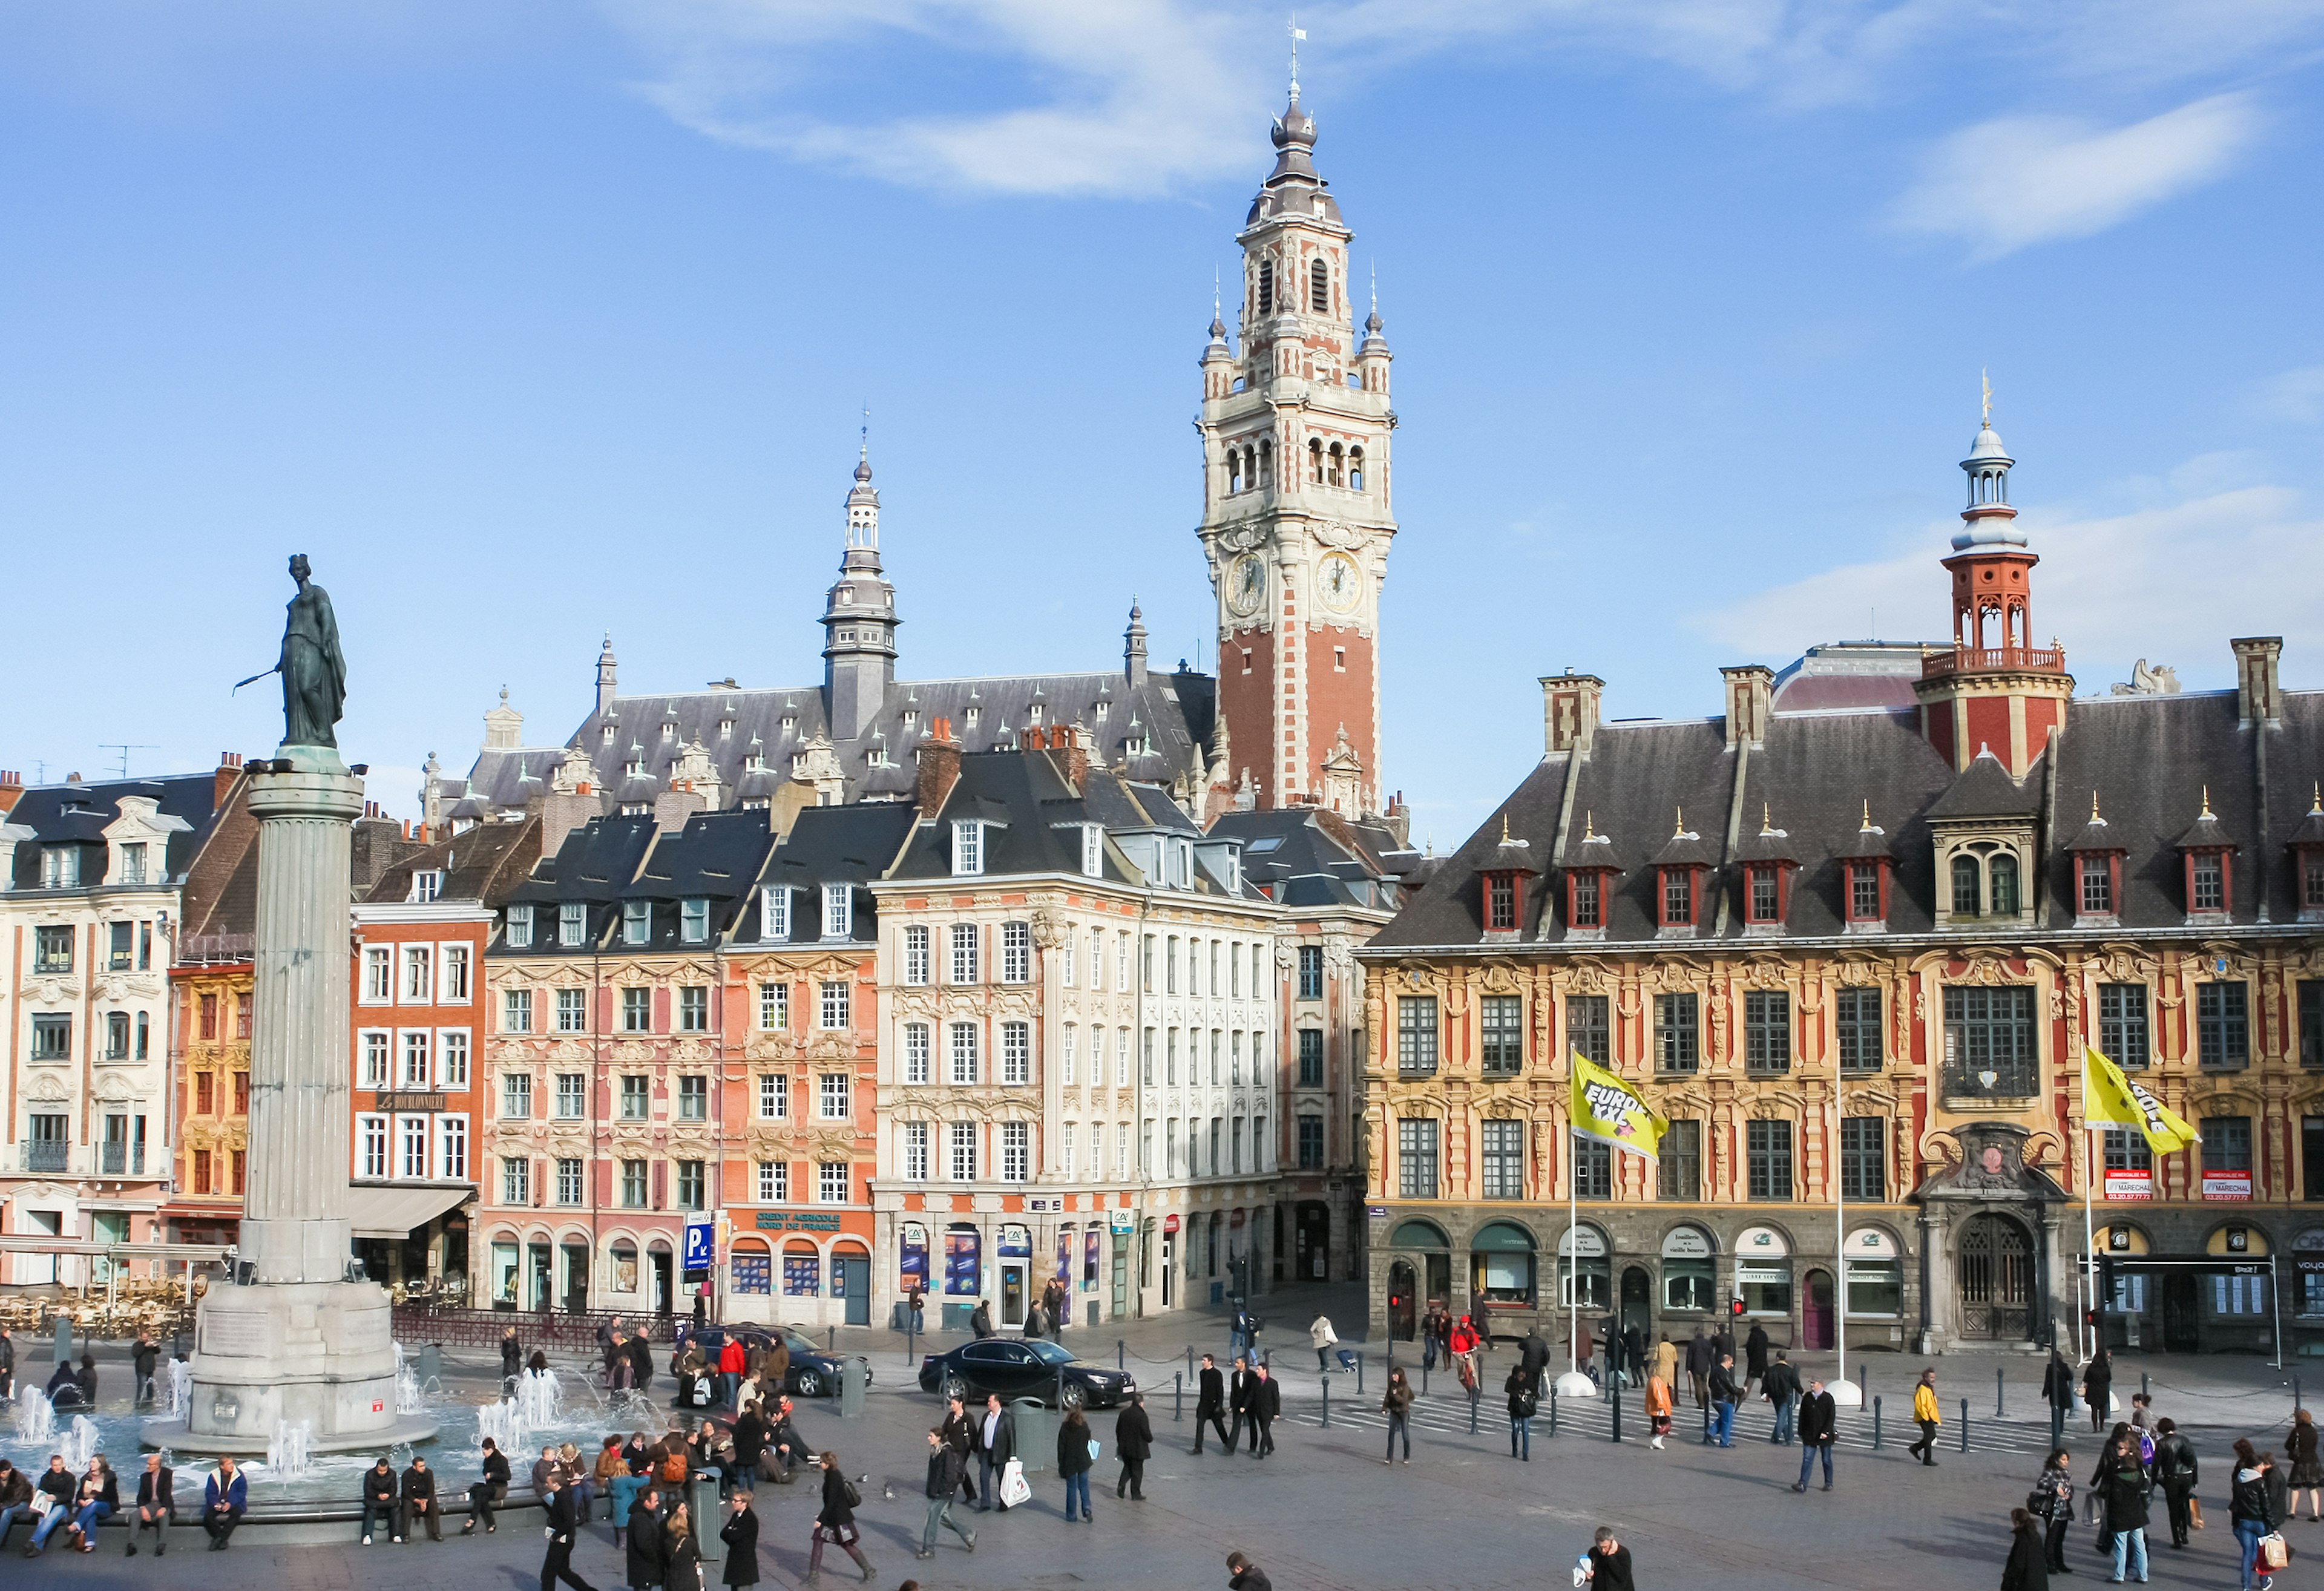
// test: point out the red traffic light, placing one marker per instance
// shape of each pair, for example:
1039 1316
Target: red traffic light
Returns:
1734 1306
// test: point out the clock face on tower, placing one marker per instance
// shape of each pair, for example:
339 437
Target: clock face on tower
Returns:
1246 585
1342 582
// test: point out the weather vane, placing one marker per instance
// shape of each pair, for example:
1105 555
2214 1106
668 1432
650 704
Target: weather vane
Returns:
1983 382
1297 33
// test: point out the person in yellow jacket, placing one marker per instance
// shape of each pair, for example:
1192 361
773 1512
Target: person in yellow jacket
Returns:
1924 1411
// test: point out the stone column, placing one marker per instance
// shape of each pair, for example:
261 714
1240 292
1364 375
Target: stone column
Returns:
294 1224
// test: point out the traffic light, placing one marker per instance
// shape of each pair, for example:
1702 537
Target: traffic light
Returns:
1735 1306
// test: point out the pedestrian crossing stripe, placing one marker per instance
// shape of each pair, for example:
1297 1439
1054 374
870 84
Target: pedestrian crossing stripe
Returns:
1593 1419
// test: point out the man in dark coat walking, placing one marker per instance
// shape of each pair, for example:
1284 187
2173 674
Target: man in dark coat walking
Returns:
959 1432
641 1360
2057 1392
1133 1438
1239 1386
644 1556
980 1319
740 1534
557 1502
2098 1388
1754 1356
1702 1354
1780 1385
1211 1404
1265 1403
1533 1355
996 1445
1819 1428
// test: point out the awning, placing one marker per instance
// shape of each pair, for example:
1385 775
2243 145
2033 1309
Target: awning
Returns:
397 1212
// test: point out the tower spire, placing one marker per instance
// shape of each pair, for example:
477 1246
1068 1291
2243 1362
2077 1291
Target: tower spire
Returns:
1297 33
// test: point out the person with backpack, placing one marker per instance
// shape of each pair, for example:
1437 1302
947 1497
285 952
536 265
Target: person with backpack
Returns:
2177 1471
2052 1501
1779 1384
835 1521
1522 1404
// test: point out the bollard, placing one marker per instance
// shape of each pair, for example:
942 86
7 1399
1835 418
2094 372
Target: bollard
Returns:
831 1340
1964 1442
1617 1414
1327 1399
1552 1410
1876 1425
1360 1374
1121 1355
2144 1391
1178 1397
1190 1361
1998 1412
1473 1413
2295 1392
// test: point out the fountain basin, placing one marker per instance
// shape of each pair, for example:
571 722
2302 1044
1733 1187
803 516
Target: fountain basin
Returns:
172 1433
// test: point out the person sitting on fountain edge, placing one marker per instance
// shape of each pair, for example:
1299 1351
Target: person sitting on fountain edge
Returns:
157 1504
420 1498
379 1498
60 1485
15 1499
225 1495
488 1491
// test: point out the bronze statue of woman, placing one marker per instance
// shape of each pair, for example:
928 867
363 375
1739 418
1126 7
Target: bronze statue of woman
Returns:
314 670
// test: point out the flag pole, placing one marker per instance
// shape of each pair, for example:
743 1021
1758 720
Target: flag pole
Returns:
1573 1243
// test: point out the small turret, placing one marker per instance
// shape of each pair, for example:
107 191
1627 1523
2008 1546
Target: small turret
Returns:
859 619
605 685
1133 648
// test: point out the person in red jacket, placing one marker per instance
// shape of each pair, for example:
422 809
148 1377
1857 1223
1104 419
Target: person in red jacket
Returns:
1464 1353
732 1361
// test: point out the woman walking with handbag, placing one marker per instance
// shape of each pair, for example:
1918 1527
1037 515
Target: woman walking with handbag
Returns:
1074 1461
681 1553
835 1522
2252 1508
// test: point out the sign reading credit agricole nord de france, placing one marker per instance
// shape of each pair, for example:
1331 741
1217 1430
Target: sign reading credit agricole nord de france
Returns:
796 1220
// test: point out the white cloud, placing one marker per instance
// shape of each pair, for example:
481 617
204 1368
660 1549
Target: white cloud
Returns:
2095 590
2016 180
1145 97
2296 395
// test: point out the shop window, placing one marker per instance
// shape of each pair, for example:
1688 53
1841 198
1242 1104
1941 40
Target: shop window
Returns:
1876 1288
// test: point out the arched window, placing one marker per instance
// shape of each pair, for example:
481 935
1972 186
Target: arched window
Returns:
1267 464
1319 288
1967 894
1267 287
1356 468
1331 474
2005 886
1315 460
1235 469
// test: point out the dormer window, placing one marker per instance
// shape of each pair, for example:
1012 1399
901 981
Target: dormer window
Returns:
2095 897
2209 879
2207 887
1101 712
973 714
427 884
967 842
606 735
1587 909
692 921
1092 850
838 911
133 862
1968 887
520 927
637 921
775 912
1501 903
790 724
725 728
60 867
1766 893
636 765
1864 892
1678 898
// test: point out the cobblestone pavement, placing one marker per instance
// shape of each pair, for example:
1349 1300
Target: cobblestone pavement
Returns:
1323 1513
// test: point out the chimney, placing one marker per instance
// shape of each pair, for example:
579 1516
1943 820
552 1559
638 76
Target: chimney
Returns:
939 768
673 806
1074 743
2259 687
12 791
1750 697
229 768
1569 707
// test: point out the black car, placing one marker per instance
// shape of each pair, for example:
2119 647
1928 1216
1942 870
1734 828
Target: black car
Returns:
813 1374
1037 1369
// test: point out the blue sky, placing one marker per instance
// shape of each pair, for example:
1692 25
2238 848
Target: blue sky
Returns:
531 321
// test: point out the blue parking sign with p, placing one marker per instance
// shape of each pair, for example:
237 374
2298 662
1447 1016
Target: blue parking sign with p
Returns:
701 1245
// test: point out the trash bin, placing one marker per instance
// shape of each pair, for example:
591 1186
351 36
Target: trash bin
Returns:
702 1508
1036 1434
854 1376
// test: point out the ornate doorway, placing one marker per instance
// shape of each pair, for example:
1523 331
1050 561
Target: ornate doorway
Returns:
1996 1279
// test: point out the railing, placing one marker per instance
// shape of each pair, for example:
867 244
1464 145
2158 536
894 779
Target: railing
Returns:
1979 659
43 1154
535 1328
118 1159
210 948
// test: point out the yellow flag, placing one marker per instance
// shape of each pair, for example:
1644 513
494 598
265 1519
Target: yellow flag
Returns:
2109 1099
1605 1106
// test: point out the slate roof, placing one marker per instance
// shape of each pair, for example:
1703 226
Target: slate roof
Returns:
1308 858
1154 732
2148 757
851 845
78 813
483 864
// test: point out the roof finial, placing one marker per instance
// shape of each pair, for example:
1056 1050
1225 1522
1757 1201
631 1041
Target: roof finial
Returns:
2317 808
1680 827
2094 808
1297 33
1589 821
1766 817
1987 418
1868 816
1505 828
2207 804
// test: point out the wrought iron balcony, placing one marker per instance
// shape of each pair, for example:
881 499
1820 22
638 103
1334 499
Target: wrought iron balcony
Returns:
117 1158
1938 663
48 1154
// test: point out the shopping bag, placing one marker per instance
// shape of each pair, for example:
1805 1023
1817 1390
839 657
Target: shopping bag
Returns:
1013 1489
2274 1553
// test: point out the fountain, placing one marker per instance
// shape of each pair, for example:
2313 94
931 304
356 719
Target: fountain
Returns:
80 1444
298 1335
180 1378
286 1455
36 1417
538 1399
407 1384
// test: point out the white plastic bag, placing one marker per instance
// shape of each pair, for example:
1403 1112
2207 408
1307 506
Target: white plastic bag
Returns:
1013 1489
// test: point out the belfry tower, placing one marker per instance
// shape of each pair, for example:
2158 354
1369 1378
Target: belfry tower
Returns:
1297 514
